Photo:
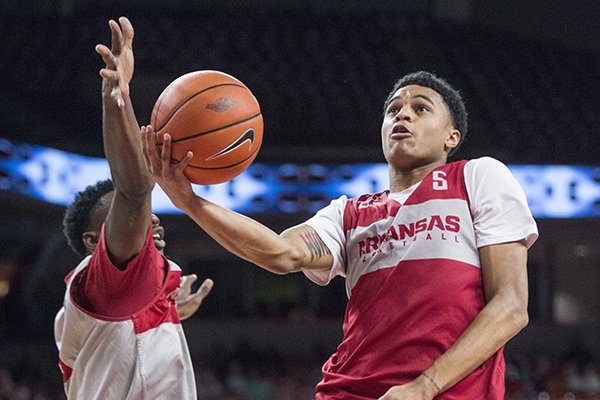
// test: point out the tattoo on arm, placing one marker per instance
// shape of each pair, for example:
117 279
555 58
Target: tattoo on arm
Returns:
315 245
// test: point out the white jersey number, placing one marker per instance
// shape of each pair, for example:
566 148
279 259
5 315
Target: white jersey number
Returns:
439 180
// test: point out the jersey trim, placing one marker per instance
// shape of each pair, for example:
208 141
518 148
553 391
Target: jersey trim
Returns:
65 370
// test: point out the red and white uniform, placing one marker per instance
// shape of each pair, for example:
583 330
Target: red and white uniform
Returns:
413 278
118 332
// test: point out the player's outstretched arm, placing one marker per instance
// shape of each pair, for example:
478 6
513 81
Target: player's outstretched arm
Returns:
504 273
299 248
129 217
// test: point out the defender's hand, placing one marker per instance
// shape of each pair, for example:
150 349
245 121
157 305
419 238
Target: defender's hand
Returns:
187 302
119 60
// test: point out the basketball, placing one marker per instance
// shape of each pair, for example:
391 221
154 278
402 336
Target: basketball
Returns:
215 116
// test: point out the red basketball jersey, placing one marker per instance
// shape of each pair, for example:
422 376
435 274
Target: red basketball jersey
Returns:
413 278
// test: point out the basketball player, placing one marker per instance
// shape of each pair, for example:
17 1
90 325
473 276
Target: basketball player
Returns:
118 333
435 266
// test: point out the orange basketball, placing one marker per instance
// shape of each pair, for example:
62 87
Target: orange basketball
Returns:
215 116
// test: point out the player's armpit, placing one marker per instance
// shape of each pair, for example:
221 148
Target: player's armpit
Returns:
316 254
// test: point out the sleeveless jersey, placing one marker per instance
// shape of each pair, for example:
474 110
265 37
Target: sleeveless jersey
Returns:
413 277
143 355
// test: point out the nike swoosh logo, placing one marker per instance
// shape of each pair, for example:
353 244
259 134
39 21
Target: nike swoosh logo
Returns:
246 136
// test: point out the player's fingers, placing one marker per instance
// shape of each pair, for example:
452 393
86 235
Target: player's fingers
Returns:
127 29
206 287
187 281
150 137
203 291
155 150
145 147
165 155
145 152
109 74
175 294
116 36
183 163
102 49
187 308
152 147
107 56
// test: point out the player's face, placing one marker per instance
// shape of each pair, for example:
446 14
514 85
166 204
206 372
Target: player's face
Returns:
417 128
158 234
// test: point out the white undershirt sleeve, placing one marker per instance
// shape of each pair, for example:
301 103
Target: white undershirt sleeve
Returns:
498 204
329 225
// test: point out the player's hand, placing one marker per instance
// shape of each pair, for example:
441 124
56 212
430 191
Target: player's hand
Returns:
119 60
188 302
167 172
411 391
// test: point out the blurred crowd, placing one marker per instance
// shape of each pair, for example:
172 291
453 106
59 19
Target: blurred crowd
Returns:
250 374
520 111
574 375
29 371
28 368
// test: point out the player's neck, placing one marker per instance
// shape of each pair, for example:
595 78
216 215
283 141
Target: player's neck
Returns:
402 178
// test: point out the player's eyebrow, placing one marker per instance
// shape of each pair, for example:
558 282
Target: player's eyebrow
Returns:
422 96
416 96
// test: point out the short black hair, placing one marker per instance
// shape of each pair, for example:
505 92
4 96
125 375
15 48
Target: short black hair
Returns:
78 214
451 96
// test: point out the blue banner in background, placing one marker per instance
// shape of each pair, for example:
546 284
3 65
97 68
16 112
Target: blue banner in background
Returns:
55 177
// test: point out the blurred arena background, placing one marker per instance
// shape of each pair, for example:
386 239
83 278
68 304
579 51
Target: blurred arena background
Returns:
321 69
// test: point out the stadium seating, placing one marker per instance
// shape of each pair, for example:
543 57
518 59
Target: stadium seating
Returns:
321 78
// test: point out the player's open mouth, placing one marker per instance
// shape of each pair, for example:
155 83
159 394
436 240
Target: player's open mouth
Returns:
400 128
400 131
158 233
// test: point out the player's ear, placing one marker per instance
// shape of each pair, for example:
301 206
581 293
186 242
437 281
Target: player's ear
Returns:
453 139
90 240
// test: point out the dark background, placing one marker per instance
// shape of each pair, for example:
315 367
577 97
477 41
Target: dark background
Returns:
530 74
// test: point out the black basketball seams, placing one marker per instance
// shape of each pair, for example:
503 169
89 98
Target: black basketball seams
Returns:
214 130
190 98
157 106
